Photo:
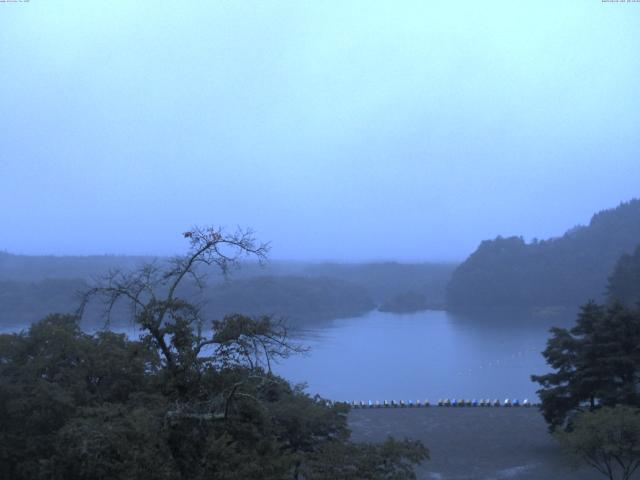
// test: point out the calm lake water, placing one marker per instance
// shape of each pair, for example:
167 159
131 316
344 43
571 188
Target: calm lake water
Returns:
433 354
426 355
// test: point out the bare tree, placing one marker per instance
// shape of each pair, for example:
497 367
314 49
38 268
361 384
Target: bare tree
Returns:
176 327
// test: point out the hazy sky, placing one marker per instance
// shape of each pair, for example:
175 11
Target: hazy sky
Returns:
337 129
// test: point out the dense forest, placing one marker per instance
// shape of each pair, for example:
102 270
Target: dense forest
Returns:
102 407
301 292
385 281
300 300
192 398
562 271
305 299
624 282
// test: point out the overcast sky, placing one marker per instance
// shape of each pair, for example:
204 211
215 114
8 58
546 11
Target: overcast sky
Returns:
336 129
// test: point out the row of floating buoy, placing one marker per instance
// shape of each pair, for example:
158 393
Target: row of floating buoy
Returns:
442 403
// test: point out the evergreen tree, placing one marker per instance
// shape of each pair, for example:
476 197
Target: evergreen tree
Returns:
595 363
624 282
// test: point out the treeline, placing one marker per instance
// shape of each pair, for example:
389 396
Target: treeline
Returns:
590 398
305 299
384 281
624 282
26 302
192 398
35 268
381 280
302 293
299 300
561 271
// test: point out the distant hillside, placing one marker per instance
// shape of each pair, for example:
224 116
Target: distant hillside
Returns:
33 286
386 281
299 299
26 302
561 271
35 268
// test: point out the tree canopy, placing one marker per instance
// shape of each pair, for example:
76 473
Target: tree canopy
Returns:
607 439
192 398
624 282
596 363
562 271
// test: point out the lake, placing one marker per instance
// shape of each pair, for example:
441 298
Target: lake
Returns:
426 355
432 354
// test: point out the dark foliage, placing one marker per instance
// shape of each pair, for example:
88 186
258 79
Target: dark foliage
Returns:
302 292
556 272
624 282
25 302
190 400
79 406
596 363
301 299
608 440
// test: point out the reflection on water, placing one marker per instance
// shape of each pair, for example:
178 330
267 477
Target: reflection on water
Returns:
426 355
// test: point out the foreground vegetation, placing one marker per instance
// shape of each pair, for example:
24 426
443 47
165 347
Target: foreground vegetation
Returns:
190 399
591 399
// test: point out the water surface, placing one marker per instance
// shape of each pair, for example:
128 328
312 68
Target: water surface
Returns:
432 354
426 355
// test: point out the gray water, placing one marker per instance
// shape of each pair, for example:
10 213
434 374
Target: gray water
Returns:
426 355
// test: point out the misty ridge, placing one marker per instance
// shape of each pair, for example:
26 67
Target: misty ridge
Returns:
299 292
505 272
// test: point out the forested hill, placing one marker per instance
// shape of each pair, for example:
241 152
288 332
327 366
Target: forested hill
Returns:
567 270
303 292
